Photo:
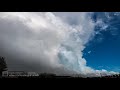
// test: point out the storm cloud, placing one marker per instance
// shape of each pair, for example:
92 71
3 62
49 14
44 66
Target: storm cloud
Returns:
46 42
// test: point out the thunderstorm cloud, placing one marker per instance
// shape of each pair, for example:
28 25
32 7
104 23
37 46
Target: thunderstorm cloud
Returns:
46 42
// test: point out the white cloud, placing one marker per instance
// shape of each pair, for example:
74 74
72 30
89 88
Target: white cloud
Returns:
89 52
43 36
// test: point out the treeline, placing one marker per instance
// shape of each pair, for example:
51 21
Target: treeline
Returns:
47 75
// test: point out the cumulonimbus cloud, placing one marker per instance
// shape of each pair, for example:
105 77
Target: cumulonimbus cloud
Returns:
52 40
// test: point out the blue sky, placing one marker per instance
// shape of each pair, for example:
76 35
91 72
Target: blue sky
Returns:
103 51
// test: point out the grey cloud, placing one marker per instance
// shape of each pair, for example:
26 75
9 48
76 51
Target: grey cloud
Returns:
27 48
32 41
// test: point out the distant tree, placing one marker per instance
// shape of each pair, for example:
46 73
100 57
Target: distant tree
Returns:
3 65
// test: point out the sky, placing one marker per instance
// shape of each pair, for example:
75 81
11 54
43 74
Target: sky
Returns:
61 42
103 50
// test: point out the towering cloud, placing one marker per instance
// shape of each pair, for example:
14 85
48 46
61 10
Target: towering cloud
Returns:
46 42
